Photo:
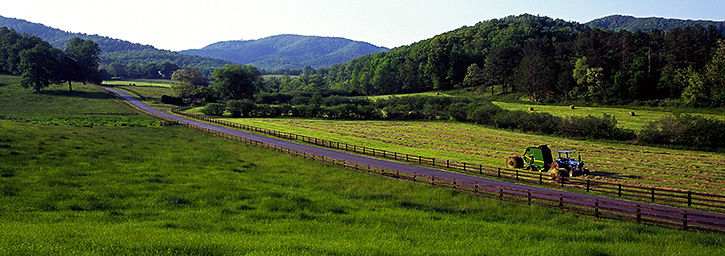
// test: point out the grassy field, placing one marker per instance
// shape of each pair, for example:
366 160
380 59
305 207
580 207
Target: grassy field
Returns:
70 189
140 82
643 115
617 162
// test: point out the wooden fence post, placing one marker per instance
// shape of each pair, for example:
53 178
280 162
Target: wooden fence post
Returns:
588 181
639 214
619 191
529 196
561 201
689 198
499 172
596 208
684 219
653 194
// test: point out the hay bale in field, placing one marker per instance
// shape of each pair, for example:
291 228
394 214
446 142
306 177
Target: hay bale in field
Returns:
631 113
571 106
531 108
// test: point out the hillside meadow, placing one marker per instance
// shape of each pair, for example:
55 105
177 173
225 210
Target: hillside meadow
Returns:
131 187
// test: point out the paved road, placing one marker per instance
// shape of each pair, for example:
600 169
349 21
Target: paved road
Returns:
586 199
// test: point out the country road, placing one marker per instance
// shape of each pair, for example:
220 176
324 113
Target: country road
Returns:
667 212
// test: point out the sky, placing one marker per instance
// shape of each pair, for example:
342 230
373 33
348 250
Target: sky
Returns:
192 24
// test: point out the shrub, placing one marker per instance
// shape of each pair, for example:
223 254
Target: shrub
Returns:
483 113
178 101
685 130
239 108
604 127
214 109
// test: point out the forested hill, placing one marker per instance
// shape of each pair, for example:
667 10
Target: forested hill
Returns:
115 50
629 23
545 59
288 51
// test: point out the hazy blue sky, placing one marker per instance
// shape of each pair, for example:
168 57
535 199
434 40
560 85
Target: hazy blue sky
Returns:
186 24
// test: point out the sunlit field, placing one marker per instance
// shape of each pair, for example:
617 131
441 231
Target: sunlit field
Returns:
72 189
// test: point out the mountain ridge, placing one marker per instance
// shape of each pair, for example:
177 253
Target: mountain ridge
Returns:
288 51
114 50
630 23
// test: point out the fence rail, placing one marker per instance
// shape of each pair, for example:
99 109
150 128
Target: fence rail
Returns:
643 214
680 197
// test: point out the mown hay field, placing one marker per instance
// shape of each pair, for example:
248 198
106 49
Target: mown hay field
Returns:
610 161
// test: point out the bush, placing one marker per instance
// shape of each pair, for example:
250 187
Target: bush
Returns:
178 101
685 130
604 127
483 113
214 109
239 108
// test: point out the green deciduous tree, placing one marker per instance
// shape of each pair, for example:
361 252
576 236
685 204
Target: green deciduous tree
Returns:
185 81
38 67
236 82
86 54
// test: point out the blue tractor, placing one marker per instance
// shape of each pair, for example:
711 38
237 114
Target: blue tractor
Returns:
565 164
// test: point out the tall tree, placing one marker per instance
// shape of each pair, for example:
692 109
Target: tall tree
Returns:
37 67
715 72
236 82
186 80
500 66
87 54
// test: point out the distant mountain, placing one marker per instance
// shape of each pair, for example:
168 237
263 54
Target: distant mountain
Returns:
629 23
114 50
288 51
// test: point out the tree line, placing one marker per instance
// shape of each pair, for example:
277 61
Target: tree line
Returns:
682 130
39 64
542 59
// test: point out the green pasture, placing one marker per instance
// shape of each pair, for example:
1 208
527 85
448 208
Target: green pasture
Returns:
140 82
643 115
71 189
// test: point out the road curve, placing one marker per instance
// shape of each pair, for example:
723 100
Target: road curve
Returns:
573 197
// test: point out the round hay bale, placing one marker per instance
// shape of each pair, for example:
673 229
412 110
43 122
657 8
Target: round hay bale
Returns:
631 113
571 106
531 108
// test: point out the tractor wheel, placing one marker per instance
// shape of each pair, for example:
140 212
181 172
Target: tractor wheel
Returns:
514 162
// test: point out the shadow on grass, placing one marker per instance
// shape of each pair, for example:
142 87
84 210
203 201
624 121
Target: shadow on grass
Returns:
614 175
77 94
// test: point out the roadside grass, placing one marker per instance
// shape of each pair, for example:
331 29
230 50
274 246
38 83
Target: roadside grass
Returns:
75 190
610 161
140 82
150 93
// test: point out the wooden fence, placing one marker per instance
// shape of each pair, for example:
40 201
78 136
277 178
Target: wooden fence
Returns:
672 196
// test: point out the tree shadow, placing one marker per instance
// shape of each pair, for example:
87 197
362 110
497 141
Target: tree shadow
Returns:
77 94
614 175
